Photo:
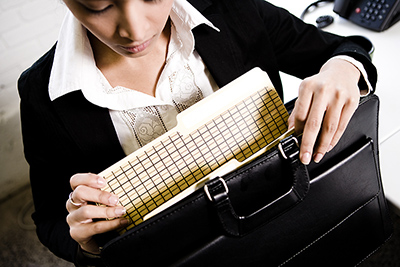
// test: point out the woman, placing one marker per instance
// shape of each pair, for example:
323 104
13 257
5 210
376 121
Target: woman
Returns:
121 63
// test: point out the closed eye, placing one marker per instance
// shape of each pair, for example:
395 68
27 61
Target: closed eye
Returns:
154 1
98 11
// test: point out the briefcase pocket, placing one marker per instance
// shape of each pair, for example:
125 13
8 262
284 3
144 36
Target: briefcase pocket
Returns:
348 211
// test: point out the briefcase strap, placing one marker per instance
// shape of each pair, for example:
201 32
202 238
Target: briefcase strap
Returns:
217 192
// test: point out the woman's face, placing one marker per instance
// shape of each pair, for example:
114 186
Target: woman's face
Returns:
128 27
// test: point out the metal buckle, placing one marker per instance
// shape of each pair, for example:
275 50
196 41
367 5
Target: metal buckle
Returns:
208 192
286 141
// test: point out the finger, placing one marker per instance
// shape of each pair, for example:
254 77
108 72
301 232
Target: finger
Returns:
87 214
85 231
82 232
291 119
71 204
83 194
302 108
88 179
328 130
311 130
91 212
292 116
345 118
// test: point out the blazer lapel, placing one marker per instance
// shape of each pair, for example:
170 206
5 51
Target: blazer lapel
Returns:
214 47
91 128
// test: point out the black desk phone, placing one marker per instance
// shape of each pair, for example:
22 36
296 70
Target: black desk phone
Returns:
377 15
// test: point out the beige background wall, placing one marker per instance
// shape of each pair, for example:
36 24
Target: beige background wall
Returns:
28 28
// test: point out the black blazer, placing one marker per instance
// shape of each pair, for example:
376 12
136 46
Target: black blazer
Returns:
71 135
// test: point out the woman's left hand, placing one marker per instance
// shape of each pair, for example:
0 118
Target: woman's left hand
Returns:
324 107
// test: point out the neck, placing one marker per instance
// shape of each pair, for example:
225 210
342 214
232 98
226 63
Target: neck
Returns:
139 73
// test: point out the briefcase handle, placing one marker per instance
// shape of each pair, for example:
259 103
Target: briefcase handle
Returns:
217 192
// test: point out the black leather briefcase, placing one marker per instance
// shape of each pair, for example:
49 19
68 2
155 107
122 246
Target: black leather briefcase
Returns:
274 211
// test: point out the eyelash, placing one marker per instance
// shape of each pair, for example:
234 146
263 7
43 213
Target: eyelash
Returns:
98 12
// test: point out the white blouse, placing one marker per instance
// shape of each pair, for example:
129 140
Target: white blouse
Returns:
137 117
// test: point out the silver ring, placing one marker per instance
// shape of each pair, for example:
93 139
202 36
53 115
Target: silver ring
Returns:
72 202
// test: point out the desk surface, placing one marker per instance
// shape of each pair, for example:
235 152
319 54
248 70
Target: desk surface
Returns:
387 60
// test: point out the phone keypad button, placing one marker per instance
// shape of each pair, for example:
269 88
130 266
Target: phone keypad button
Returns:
374 9
371 13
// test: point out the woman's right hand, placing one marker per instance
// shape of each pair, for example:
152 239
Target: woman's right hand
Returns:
82 213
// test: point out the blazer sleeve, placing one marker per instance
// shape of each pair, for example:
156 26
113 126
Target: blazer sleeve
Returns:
301 49
44 147
255 33
61 138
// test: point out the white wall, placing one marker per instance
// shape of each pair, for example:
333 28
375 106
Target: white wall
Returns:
28 28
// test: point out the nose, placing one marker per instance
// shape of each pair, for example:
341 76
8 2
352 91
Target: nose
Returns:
132 22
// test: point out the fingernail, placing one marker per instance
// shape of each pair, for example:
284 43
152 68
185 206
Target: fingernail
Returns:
113 200
124 221
329 148
306 158
318 157
120 211
101 181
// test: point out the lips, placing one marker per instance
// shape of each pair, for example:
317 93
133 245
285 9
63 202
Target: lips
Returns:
137 48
